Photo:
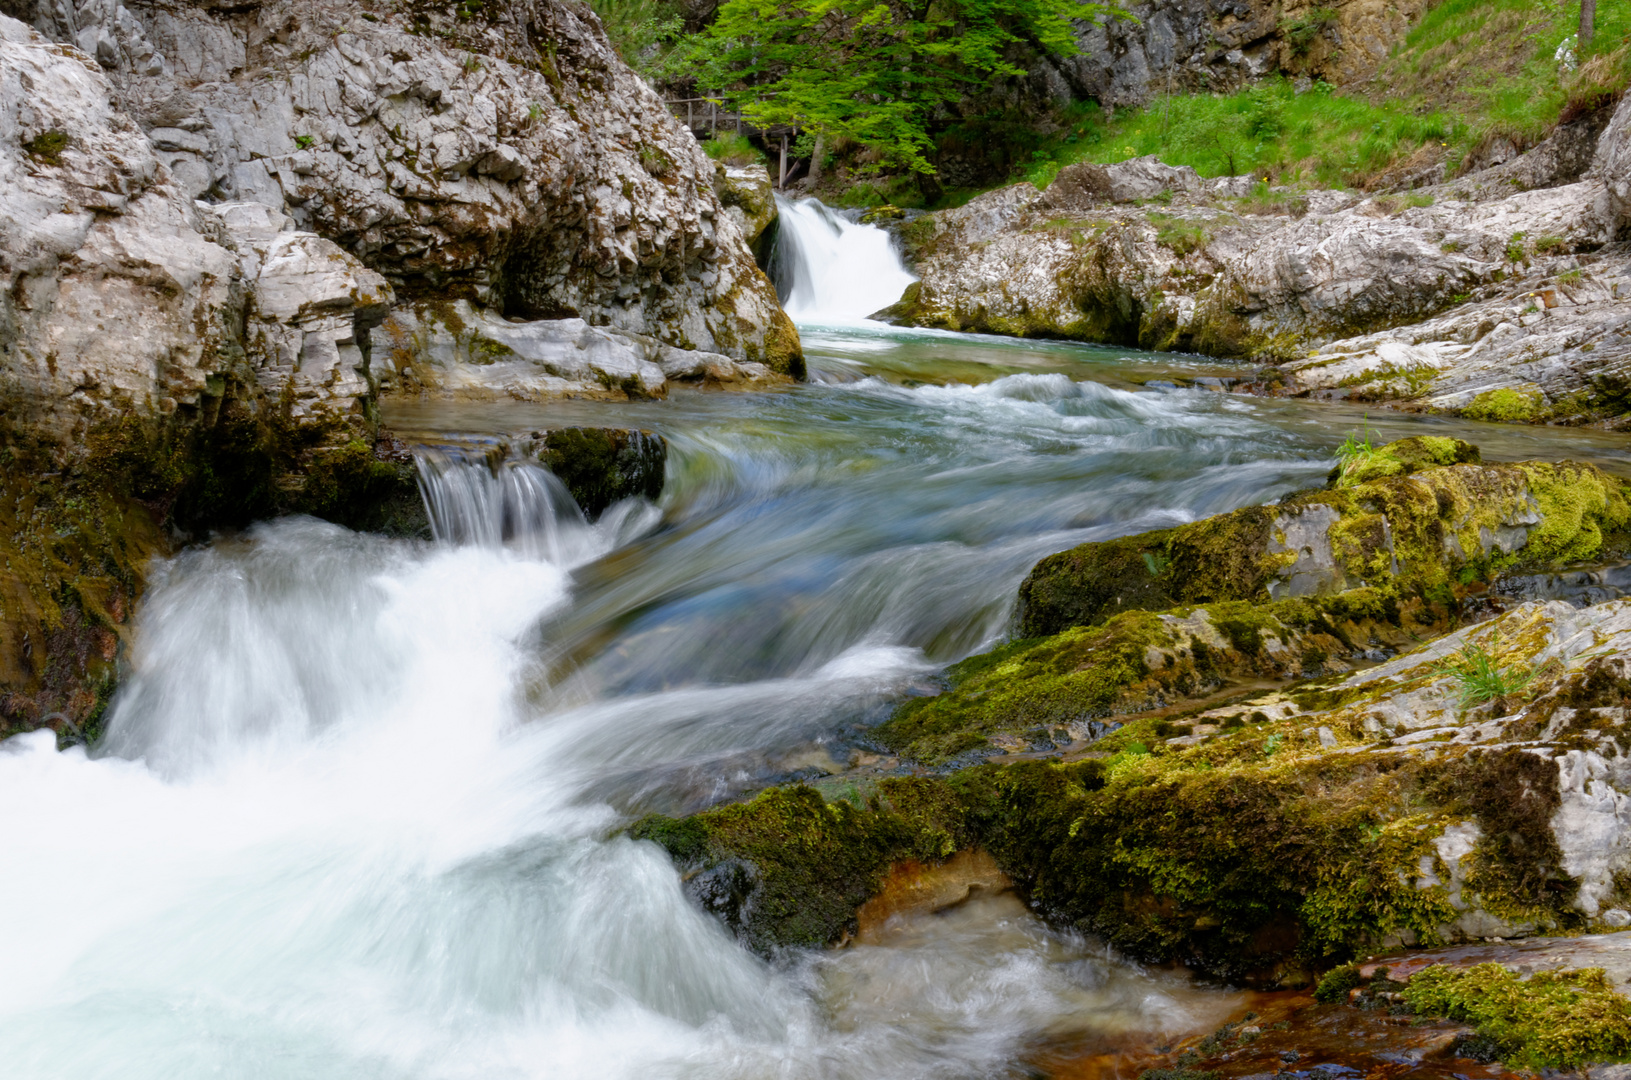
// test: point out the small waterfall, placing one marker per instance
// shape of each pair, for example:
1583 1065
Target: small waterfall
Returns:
831 269
516 504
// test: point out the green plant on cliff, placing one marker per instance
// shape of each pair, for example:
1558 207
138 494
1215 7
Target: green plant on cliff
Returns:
733 150
1480 676
641 31
870 73
1553 1019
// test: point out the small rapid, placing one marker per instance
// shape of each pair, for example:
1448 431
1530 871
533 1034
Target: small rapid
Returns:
830 269
357 811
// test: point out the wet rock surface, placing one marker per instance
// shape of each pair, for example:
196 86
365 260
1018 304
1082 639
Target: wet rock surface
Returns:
1305 788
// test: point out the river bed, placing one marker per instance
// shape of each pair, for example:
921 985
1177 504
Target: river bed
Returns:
356 812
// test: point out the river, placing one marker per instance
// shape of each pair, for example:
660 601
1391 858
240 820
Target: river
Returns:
355 815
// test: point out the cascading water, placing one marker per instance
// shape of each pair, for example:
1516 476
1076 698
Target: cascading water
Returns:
830 268
355 813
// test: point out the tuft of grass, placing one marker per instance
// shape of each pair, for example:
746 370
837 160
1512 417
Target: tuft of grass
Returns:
1479 676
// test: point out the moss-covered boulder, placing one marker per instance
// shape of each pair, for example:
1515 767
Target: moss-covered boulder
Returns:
1468 789
75 545
1425 532
790 868
599 466
1402 457
1067 688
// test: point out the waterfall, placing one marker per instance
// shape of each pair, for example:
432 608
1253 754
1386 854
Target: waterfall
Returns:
514 503
831 269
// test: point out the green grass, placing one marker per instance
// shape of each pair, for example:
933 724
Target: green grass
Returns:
1270 132
1480 677
733 150
1470 72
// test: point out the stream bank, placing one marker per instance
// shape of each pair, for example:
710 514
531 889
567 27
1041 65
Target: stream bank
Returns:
1500 295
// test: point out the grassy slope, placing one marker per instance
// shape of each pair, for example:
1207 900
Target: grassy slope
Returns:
1470 71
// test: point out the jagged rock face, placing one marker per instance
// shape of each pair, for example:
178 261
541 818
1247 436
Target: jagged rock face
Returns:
1439 296
1613 166
1188 45
123 297
510 158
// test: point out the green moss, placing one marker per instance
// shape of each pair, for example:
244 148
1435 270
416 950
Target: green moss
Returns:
1555 1019
1403 457
790 868
1578 503
599 466
1082 673
1506 405
47 147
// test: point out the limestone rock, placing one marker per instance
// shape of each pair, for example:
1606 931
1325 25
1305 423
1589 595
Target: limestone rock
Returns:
447 155
1440 298
462 351
749 197
1613 166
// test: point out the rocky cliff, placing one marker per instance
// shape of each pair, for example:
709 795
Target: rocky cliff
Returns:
1501 294
199 194
1185 46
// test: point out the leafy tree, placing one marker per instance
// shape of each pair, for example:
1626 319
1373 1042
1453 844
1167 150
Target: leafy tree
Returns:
872 71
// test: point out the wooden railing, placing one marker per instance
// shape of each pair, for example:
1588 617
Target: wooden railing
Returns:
711 113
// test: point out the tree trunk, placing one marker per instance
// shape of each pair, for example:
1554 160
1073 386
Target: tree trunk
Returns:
1588 26
817 152
929 185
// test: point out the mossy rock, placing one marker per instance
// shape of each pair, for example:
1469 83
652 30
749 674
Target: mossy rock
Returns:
76 543
790 868
1068 686
1222 857
1412 527
599 466
1402 457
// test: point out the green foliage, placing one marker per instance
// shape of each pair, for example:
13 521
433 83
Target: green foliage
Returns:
1301 31
733 150
1556 1019
866 71
304 142
1355 447
1336 983
1267 129
642 31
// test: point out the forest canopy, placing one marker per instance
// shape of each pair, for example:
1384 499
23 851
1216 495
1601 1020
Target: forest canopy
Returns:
871 72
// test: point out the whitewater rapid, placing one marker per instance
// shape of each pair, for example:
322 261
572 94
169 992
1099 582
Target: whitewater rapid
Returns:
351 820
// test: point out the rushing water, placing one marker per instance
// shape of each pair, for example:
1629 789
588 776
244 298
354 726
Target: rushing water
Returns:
355 813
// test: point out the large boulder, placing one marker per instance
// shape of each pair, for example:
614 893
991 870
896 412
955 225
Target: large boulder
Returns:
509 158
1613 166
